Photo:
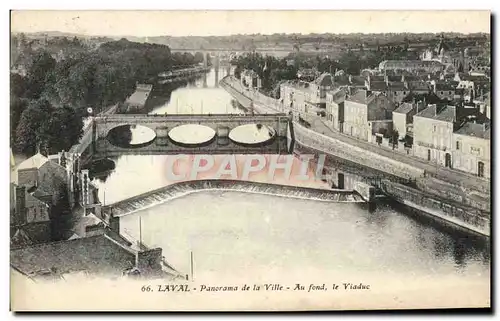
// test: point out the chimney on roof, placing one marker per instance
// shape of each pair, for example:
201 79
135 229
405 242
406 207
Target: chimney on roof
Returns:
20 210
114 223
61 157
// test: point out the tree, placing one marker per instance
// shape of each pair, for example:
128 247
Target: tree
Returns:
33 118
198 57
17 106
17 85
47 128
41 65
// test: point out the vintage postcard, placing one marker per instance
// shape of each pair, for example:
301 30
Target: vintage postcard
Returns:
250 160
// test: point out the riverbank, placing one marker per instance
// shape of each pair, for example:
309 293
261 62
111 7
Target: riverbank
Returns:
337 145
173 191
181 74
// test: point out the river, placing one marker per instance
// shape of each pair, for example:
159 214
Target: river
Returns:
235 235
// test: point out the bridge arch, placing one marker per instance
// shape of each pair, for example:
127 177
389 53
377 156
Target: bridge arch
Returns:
252 134
192 135
123 135
275 126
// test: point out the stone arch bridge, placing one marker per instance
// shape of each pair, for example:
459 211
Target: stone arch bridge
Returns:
222 124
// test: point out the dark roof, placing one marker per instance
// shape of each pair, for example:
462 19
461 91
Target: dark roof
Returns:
474 78
361 97
404 108
416 78
338 96
445 86
341 81
397 85
418 85
442 113
377 78
476 130
92 254
357 80
378 86
393 78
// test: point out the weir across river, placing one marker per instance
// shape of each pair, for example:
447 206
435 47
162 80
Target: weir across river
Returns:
176 190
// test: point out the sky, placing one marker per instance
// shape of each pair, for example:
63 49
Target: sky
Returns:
221 23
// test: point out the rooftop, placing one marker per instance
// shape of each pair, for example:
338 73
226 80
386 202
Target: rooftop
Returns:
361 97
96 254
404 108
445 86
418 86
35 161
378 86
475 129
397 85
357 80
377 78
338 96
446 113
391 64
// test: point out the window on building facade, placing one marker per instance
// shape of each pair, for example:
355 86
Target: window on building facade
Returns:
458 145
475 150
434 128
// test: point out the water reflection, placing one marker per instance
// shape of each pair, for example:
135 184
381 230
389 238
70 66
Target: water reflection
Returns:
131 136
251 134
237 234
100 168
192 134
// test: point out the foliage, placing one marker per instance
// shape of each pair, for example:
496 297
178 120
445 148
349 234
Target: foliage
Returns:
41 65
48 105
49 128
17 106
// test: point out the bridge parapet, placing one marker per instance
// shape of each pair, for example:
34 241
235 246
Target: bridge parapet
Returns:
278 122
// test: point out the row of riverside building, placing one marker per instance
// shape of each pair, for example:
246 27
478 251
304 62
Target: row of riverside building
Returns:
454 133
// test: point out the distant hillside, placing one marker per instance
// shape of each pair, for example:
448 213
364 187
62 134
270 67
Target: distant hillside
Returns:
306 42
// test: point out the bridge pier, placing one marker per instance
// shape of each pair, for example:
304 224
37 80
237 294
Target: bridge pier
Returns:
223 135
161 136
161 131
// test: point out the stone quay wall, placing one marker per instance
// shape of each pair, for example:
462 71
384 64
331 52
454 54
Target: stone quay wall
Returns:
332 146
470 218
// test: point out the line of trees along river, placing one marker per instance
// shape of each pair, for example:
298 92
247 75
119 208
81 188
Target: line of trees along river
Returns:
49 102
